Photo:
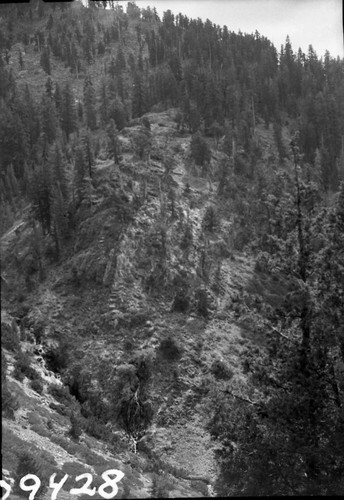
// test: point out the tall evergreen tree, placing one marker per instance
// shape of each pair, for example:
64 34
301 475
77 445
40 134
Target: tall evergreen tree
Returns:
120 63
104 102
114 144
45 60
199 149
89 104
68 113
48 119
139 98
80 173
86 141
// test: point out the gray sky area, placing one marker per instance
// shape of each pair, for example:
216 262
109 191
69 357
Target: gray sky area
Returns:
315 22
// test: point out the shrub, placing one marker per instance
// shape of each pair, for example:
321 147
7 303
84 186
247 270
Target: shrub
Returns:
96 428
181 299
61 394
220 370
3 367
262 263
201 487
135 413
9 403
92 458
181 302
73 469
37 385
75 430
57 358
23 368
170 349
38 331
30 464
60 409
9 332
144 365
187 238
202 302
125 491
67 444
139 319
210 219
161 486
41 430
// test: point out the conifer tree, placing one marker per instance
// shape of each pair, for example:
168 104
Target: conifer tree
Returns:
112 68
58 98
86 141
48 119
104 103
49 88
20 60
80 172
120 63
45 60
139 101
118 113
57 167
89 104
59 212
68 113
199 149
40 195
143 143
114 145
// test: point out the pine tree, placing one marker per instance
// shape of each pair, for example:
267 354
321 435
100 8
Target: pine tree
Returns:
139 98
89 104
40 196
45 60
104 103
75 430
57 167
48 119
120 63
199 149
118 113
87 46
112 68
59 219
80 169
20 60
279 141
143 143
114 145
49 88
68 114
210 219
58 98
86 141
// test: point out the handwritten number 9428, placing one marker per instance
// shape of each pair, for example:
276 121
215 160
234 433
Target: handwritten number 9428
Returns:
32 483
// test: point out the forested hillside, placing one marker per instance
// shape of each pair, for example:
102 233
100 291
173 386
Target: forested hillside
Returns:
172 249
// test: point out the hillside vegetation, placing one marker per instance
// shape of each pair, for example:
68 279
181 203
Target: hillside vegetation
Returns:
172 249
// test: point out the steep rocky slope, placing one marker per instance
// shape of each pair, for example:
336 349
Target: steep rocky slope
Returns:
110 317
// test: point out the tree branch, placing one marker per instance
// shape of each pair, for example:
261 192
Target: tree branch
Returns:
245 400
281 334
